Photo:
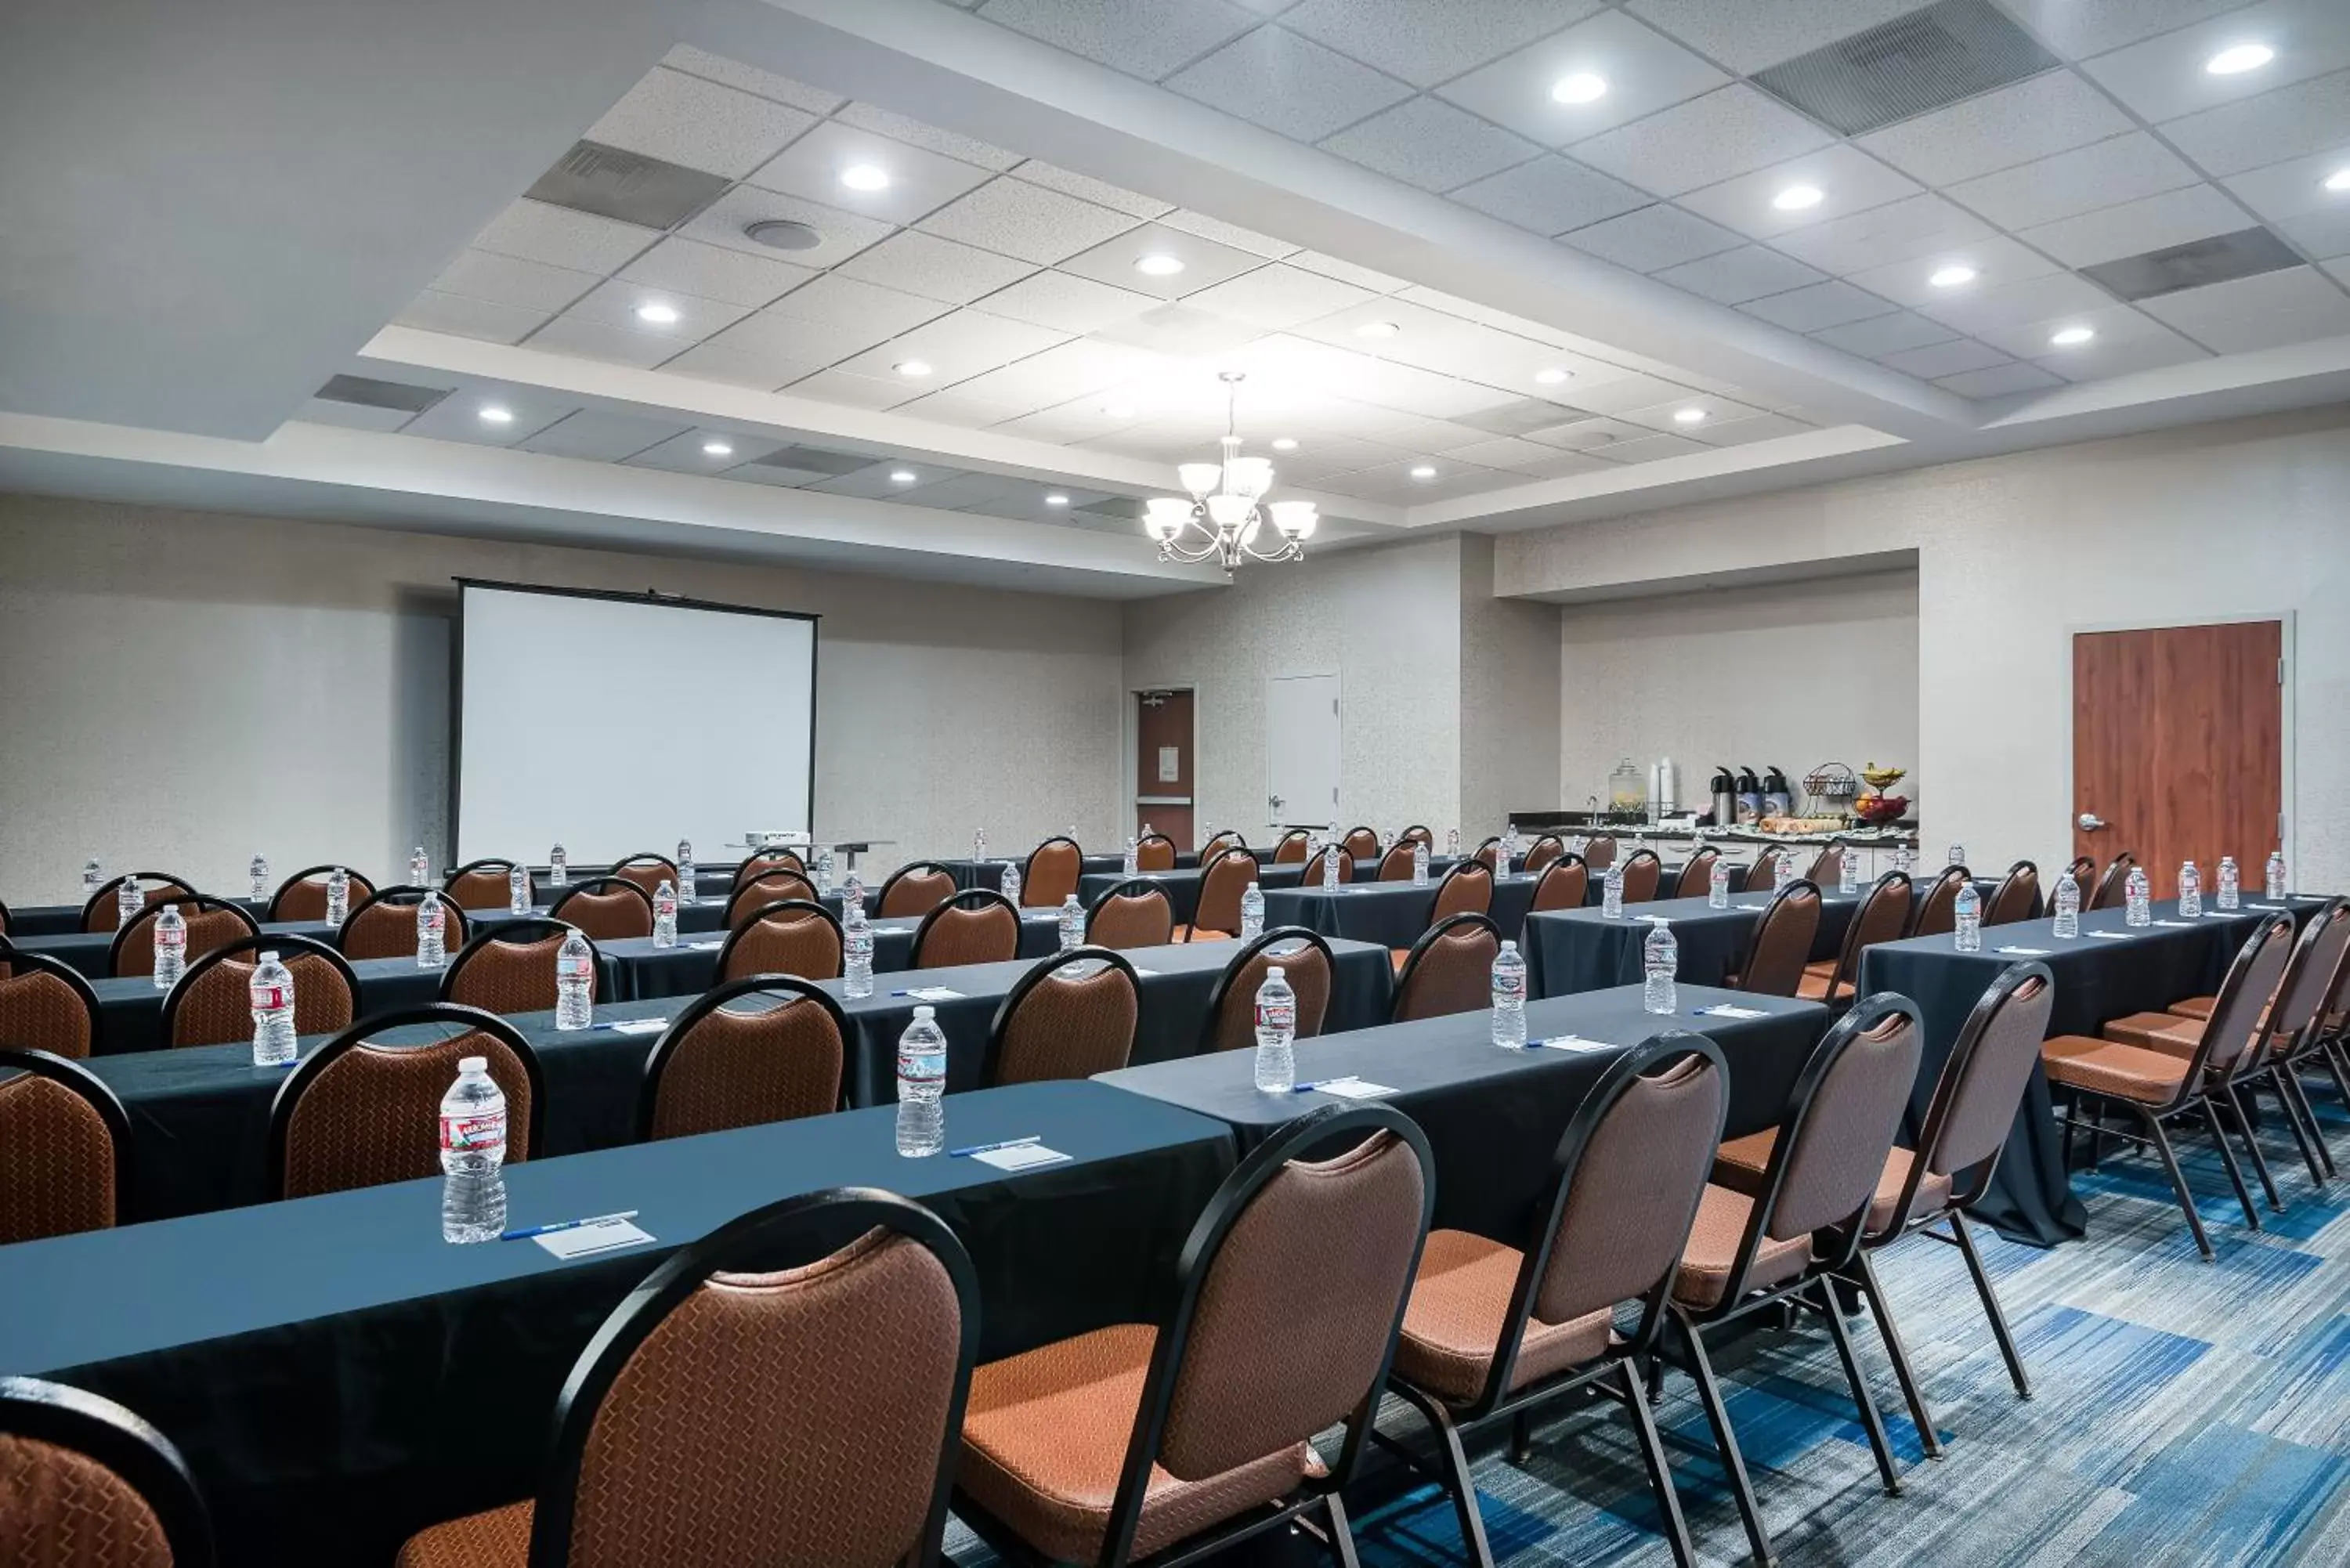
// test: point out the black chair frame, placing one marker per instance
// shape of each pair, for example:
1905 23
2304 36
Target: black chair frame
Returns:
1556 866
1428 938
595 887
1557 844
18 961
1298 835
1218 838
107 892
1848 952
285 943
1038 972
1420 831
1698 868
1028 865
912 867
193 904
801 906
1647 856
503 868
2115 881
401 895
760 862
303 876
529 928
1279 936
969 899
1133 887
2014 871
93 1089
116 1437
2287 1060
1760 876
1491 842
651 857
672 1038
1921 894
1209 864
1174 854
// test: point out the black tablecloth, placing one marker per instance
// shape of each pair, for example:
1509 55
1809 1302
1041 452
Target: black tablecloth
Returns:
131 1010
1182 886
1493 1117
1392 914
691 968
200 1116
1568 950
2097 978
338 1377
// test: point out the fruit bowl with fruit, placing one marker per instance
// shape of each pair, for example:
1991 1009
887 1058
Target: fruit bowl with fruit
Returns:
1880 808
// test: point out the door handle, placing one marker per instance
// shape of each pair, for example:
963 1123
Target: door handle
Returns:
1273 801
2090 822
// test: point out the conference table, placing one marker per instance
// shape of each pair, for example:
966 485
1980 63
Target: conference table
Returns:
200 1114
2109 970
1569 951
1493 1114
691 966
338 1377
1392 914
1181 887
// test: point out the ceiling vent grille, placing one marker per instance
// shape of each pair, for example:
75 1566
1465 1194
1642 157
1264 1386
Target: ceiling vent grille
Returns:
1516 419
372 394
1923 61
812 460
2224 257
593 178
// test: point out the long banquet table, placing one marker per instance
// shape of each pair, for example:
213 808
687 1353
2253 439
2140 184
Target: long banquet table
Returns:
1392 914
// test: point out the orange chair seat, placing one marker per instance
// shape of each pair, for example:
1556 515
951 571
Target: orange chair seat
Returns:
499 1538
1201 934
1711 1251
2164 1032
1823 968
1739 1164
2105 1067
2194 1007
1452 1325
1814 987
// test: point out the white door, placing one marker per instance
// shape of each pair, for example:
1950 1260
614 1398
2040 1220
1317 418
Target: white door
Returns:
1301 751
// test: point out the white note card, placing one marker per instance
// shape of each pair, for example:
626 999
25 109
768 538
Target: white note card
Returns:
2112 936
712 945
1020 1156
2264 906
1354 1089
891 930
2174 922
935 993
584 1241
640 1026
1573 1043
2024 952
1731 1010
1750 905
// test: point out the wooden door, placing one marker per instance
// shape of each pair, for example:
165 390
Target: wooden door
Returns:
1162 765
2179 747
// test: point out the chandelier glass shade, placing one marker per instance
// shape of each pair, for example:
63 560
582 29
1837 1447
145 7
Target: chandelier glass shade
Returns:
1227 516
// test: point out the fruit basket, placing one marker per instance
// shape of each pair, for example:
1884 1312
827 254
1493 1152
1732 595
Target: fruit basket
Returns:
1874 805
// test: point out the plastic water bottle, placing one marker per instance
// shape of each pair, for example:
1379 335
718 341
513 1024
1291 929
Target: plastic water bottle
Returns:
1251 913
1578 844
517 891
852 896
1453 843
978 847
857 954
473 1148
1330 869
2137 907
665 915
1133 861
2273 881
271 992
1968 912
922 1079
1905 859
1419 862
2068 906
338 895
130 902
1276 1034
419 867
1508 997
689 890
1072 924
558 867
93 875
1611 891
1509 856
575 983
1958 856
431 931
2190 892
1660 966
1008 884
258 872
1717 885
1782 871
170 947
2231 884
1847 872
823 868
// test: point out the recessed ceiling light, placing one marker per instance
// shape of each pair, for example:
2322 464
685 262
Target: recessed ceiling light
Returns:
1377 330
2339 180
1689 416
2072 337
864 177
1795 198
1952 276
1285 443
1582 86
496 414
2238 58
912 366
902 476
717 449
658 313
1056 500
1424 472
1158 264
1551 376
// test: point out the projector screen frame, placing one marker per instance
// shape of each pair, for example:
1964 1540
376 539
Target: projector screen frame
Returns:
647 597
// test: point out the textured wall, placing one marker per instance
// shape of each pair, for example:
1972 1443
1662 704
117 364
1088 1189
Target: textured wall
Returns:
181 688
1510 709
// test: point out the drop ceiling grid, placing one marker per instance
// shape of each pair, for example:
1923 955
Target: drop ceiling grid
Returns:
1710 49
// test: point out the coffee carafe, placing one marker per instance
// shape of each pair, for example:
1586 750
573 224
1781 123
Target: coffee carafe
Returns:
1725 797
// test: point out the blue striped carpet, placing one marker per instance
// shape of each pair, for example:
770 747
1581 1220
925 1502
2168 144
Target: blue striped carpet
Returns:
2186 1413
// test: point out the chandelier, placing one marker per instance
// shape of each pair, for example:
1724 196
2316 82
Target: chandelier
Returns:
1227 509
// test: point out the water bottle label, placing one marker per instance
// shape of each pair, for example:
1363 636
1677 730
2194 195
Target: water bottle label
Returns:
269 998
1509 988
472 1131
170 942
573 969
1280 1015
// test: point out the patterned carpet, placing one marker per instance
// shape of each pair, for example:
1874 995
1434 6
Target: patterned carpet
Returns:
2185 1412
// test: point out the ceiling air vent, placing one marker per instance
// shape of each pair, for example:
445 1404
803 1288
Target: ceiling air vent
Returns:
373 394
814 460
1516 419
2219 259
1922 62
593 178
1121 508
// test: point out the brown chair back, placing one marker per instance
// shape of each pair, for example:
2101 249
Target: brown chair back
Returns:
648 871
1642 872
1696 878
1980 1085
303 895
608 909
1781 943
1136 914
1222 881
1227 839
1466 890
1564 886
721 1416
2083 872
2313 975
769 860
83 1483
718 1066
1306 961
46 1005
768 887
1290 848
1312 877
1839 1123
790 936
1070 1016
1827 867
510 968
65 1148
1395 865
359 1113
1449 970
100 913
1420 832
482 885
383 925
1543 854
211 922
1763 875
978 925
916 890
213 1003
2237 1028
1051 874
1600 853
2113 888
1156 852
2017 896
1882 915
1362 843
1936 913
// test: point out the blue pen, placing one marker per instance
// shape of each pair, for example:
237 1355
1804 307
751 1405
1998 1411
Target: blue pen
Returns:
527 1231
1318 1083
992 1147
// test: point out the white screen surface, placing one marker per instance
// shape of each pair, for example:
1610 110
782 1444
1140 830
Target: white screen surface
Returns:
618 726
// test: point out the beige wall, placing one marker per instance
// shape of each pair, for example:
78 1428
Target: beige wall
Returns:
179 689
1510 709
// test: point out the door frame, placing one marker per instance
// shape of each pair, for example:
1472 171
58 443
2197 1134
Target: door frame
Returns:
1130 725
2289 826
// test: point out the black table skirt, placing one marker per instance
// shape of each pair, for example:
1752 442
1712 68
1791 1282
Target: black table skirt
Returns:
1182 888
200 1116
2031 1195
1494 1117
1392 914
338 1378
1570 951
